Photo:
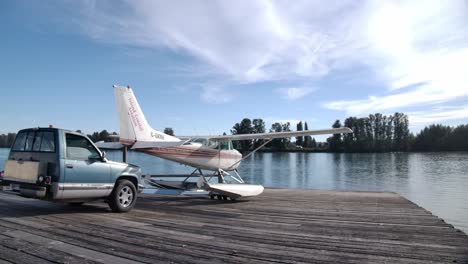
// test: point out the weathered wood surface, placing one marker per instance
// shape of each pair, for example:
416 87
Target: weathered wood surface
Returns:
280 226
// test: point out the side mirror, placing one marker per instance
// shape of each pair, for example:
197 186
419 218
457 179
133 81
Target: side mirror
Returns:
103 156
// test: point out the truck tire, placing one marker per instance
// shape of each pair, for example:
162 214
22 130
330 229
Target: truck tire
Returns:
123 197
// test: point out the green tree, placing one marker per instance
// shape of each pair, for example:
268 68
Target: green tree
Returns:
458 139
276 143
349 140
286 141
101 136
389 132
401 132
3 141
433 138
335 142
94 136
244 127
258 126
313 143
307 139
104 136
299 140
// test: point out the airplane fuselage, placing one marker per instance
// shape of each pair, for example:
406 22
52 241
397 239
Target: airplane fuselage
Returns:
199 156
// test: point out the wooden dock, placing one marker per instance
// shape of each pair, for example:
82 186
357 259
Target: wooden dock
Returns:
280 226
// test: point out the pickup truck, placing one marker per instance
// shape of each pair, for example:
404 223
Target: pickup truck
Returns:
61 165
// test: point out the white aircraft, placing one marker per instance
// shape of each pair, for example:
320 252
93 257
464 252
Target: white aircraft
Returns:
212 153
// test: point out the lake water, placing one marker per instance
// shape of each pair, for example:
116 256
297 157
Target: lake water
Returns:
435 181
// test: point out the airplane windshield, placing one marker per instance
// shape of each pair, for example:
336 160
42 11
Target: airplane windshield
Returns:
223 145
202 141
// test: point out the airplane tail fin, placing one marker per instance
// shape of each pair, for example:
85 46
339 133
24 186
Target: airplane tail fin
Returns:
134 128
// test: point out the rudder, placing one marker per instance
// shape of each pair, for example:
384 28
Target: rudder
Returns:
132 122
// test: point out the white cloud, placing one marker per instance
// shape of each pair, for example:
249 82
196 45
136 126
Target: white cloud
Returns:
421 51
294 93
439 114
247 41
215 95
402 42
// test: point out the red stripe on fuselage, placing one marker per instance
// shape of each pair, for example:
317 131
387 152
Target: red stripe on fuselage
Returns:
190 152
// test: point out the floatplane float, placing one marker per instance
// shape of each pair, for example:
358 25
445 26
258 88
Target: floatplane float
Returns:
204 153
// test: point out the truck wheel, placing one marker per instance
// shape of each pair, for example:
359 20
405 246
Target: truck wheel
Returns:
123 197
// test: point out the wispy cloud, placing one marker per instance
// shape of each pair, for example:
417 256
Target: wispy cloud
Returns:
439 114
294 93
417 50
421 55
215 95
247 41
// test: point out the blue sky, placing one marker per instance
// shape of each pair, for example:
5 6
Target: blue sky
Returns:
201 66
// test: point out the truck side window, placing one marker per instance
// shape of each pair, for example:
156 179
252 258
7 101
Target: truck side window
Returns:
48 142
19 142
79 148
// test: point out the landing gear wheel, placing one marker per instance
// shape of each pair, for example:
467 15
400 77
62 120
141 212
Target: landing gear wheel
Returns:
123 197
225 197
220 197
212 196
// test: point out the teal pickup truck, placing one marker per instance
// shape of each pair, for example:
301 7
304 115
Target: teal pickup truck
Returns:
61 165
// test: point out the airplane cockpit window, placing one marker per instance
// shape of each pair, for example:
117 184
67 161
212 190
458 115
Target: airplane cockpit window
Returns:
202 141
225 145
213 144
222 145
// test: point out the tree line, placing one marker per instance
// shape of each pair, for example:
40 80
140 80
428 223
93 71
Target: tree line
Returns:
247 126
381 133
6 140
375 133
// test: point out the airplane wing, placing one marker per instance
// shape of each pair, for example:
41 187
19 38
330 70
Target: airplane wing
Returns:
273 135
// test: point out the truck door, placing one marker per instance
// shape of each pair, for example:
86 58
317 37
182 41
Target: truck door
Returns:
87 175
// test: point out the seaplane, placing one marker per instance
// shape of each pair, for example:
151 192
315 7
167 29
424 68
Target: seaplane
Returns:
214 154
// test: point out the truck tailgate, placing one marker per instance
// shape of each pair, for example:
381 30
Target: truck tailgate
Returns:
23 171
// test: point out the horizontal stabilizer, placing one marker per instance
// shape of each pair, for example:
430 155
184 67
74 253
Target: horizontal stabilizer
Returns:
108 145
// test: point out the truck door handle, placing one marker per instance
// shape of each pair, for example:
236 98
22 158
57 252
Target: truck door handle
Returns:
70 166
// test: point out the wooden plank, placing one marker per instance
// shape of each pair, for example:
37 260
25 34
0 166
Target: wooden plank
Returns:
288 226
43 252
70 249
17 256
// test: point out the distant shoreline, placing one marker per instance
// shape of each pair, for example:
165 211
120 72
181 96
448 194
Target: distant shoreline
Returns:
323 151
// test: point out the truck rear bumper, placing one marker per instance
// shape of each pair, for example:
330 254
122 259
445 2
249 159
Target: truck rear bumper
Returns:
24 189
